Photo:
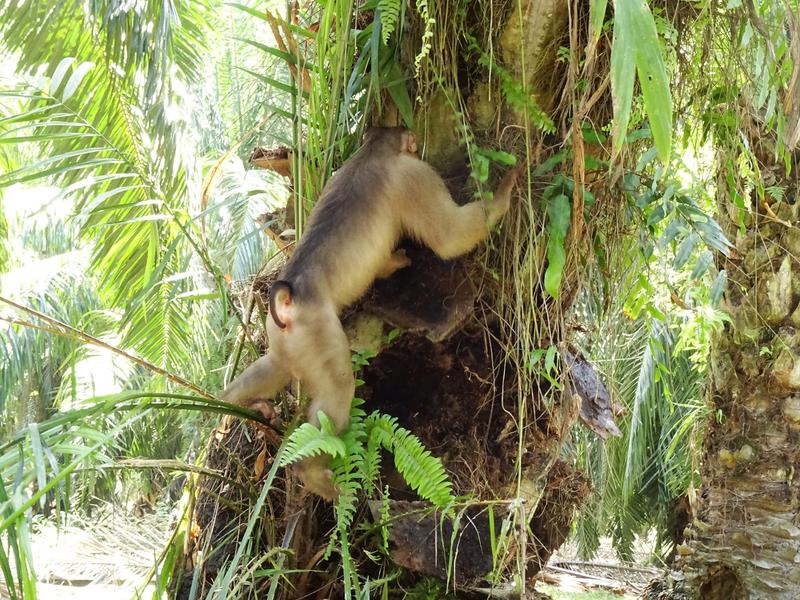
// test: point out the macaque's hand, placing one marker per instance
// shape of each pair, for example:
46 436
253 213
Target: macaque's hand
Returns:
265 408
401 258
510 179
397 260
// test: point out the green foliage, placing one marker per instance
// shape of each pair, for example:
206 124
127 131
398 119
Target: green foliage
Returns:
356 454
652 335
558 594
543 363
428 588
421 470
639 478
635 37
558 218
427 34
95 160
597 15
355 466
673 215
93 119
54 463
482 159
389 11
16 555
30 387
5 258
306 441
514 90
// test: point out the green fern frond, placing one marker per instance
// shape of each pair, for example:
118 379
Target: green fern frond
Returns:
348 474
421 470
372 463
356 459
390 13
349 484
307 441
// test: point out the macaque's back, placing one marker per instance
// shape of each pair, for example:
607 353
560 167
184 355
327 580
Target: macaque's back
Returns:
350 234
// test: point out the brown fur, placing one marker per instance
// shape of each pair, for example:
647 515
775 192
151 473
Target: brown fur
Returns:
381 194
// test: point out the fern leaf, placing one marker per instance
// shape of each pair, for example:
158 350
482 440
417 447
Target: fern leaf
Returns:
390 14
307 440
372 461
421 470
381 428
348 477
427 35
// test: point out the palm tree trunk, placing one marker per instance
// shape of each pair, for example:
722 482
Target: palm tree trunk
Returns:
745 540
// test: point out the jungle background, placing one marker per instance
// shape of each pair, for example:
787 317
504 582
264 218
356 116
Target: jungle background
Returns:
617 365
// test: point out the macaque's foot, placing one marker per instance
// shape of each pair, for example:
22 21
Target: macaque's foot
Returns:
397 260
317 478
401 259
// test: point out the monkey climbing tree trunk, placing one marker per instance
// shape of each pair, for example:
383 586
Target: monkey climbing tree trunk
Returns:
460 376
745 540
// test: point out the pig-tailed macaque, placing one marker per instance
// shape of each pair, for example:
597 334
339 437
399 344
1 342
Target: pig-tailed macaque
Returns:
382 193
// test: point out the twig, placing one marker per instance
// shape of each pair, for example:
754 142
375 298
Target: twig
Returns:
64 329
605 565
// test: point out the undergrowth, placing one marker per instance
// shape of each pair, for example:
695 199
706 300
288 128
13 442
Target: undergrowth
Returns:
356 456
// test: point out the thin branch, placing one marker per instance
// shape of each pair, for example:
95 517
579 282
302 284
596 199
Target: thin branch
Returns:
66 330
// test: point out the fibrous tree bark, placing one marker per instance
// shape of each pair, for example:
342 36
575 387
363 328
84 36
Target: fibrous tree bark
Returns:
745 539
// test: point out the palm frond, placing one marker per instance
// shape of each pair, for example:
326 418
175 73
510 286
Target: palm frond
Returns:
111 132
147 37
35 361
639 478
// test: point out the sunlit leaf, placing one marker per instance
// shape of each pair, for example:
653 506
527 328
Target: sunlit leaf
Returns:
559 210
597 15
58 74
75 80
718 288
623 70
685 250
702 265
636 44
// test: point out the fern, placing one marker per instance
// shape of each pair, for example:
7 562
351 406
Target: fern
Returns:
355 465
356 456
390 13
348 475
513 89
307 441
421 470
372 463
348 471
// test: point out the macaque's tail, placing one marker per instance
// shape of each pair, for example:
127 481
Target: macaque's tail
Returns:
278 288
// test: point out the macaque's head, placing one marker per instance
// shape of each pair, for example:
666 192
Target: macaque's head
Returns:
390 140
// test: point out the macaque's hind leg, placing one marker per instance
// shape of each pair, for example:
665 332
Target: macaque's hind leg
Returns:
257 385
398 260
327 377
451 230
